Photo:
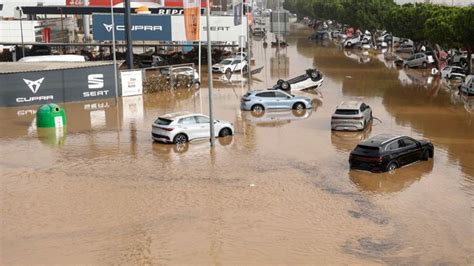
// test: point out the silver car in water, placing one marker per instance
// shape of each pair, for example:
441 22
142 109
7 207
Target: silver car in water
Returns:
259 101
351 115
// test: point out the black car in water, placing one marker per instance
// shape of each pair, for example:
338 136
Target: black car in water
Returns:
386 152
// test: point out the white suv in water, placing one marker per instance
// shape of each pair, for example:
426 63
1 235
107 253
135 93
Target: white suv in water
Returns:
230 65
351 115
183 127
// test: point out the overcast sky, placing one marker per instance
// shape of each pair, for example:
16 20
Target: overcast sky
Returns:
446 2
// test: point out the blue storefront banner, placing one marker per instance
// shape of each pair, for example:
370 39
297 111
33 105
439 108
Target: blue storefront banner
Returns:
144 27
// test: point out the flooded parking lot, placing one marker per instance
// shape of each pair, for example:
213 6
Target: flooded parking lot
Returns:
278 192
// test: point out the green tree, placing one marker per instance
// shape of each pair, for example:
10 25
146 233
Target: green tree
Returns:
464 30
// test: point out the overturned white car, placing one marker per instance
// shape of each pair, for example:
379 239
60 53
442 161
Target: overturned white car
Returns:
312 79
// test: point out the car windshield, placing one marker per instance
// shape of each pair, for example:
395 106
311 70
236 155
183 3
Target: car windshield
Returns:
226 62
347 112
163 121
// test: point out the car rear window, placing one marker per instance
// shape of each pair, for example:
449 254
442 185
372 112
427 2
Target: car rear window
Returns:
368 150
163 121
347 112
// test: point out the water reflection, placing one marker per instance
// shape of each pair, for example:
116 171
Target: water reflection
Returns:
398 181
280 66
82 117
53 137
361 57
275 118
346 140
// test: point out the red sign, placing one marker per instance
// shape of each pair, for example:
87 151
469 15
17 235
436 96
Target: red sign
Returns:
192 19
74 3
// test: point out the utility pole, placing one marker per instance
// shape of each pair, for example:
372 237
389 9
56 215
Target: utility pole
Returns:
85 23
113 50
128 34
209 72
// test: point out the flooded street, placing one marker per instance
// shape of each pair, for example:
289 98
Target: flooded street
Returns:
278 192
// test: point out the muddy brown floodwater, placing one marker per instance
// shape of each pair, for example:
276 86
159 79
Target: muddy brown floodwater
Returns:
278 192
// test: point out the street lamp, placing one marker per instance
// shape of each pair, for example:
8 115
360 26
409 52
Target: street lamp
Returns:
209 70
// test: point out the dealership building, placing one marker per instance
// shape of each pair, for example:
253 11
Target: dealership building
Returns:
61 23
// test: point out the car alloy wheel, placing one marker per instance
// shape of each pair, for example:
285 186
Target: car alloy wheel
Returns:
285 85
314 75
180 139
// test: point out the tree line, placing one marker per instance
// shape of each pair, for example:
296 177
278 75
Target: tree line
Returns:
432 25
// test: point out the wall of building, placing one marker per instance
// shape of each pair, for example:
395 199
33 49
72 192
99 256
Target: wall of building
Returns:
10 30
9 6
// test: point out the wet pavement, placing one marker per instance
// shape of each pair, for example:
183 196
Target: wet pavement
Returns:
278 192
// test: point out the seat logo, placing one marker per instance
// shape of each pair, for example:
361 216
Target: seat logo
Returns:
95 81
34 85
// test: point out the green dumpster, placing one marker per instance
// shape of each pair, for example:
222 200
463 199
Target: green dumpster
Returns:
50 115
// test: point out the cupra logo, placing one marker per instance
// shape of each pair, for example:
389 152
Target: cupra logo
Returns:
108 27
34 85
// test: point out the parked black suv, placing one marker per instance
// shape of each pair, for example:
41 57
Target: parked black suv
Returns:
386 152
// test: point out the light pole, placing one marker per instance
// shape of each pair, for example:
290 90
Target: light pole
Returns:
209 72
113 49
128 34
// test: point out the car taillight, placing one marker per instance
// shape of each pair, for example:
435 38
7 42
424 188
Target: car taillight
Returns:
245 99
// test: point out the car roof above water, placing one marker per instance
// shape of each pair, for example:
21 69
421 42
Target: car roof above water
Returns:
349 105
378 140
173 116
253 92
